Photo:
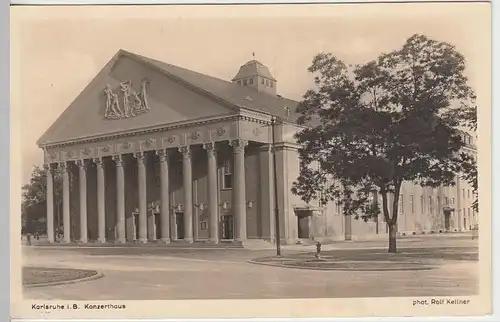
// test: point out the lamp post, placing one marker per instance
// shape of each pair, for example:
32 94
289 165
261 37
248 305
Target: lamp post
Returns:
275 183
375 208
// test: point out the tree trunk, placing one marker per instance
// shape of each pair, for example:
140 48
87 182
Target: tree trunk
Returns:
392 238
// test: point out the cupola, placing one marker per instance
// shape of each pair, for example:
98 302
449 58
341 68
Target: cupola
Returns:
256 75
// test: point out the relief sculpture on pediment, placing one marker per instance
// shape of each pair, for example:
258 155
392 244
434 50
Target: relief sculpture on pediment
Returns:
131 104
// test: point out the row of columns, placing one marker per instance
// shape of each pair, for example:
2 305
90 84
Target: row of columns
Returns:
239 200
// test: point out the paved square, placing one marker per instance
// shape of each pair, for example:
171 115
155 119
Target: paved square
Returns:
168 273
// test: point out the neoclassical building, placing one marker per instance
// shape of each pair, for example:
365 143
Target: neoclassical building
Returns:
153 152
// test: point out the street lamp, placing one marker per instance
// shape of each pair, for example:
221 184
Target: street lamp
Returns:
275 183
375 208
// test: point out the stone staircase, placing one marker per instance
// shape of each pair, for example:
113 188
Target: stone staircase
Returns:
155 244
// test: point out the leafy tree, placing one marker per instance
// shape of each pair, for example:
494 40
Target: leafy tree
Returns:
34 196
371 127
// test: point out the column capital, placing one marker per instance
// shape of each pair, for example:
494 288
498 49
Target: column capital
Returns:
140 157
210 147
238 145
81 164
63 166
185 151
162 154
97 161
48 167
118 160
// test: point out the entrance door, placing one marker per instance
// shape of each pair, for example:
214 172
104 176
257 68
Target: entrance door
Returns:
179 223
227 227
303 226
447 220
157 225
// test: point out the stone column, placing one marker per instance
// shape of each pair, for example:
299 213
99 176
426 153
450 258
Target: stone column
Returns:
50 203
213 208
83 200
101 210
165 196
267 188
143 207
66 210
188 193
120 198
239 193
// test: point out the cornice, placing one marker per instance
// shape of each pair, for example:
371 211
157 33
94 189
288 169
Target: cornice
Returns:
166 137
137 132
249 116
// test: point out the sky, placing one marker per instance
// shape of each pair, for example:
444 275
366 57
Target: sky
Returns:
56 51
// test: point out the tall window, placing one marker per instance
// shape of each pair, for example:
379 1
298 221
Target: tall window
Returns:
453 201
446 201
468 193
401 204
422 204
227 175
250 81
430 206
337 207
438 204
244 82
463 193
412 207
263 81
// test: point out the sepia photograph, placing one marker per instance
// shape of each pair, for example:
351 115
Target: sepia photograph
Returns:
216 153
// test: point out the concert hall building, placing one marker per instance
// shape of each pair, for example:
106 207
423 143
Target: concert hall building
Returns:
151 152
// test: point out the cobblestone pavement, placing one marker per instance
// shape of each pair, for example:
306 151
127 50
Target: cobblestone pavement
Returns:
156 274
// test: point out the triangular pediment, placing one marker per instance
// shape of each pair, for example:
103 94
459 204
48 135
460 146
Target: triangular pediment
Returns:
131 94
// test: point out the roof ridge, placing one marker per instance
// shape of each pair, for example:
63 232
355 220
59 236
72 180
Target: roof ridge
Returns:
239 87
150 61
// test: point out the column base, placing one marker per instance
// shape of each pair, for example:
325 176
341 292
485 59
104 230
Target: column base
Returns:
213 241
83 241
165 240
101 241
120 241
188 240
141 241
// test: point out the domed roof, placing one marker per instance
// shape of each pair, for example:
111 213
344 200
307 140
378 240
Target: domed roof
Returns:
253 68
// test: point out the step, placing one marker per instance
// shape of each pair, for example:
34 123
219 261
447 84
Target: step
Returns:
172 244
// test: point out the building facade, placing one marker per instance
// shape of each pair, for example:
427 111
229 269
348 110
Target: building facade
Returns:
153 152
